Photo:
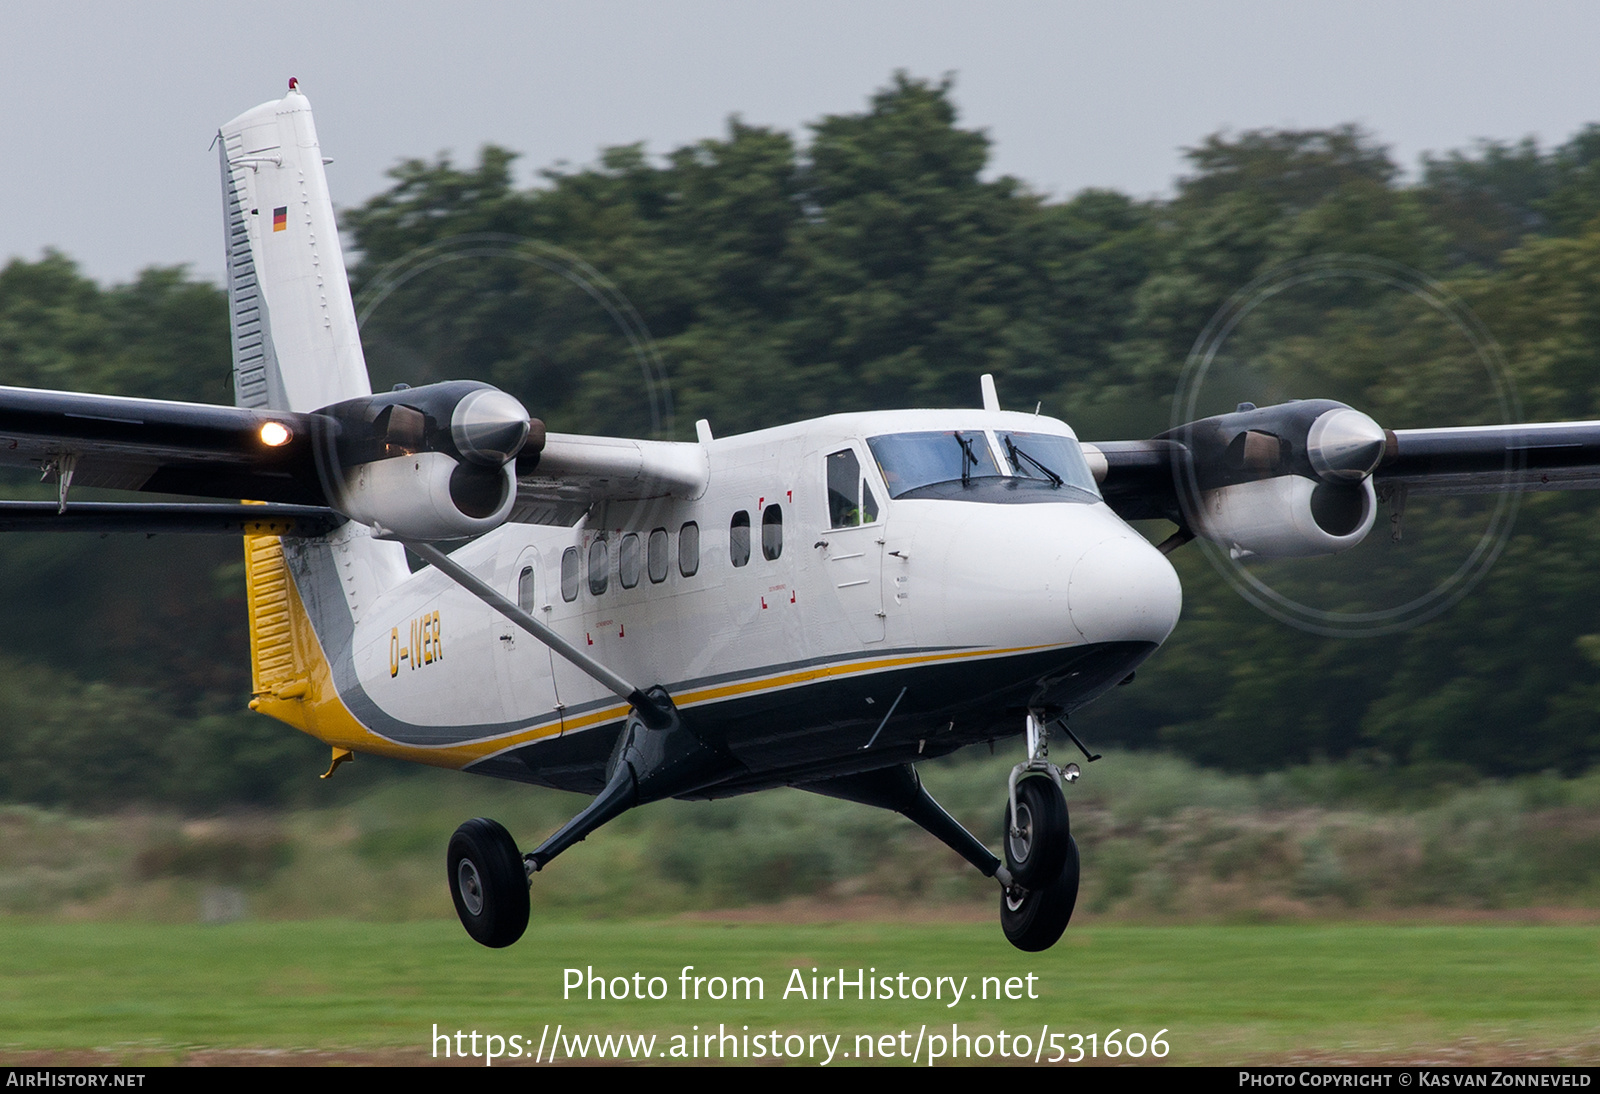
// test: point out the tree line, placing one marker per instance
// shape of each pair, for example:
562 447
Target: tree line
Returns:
760 277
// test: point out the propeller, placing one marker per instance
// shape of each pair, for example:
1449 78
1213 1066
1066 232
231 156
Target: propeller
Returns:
427 463
538 318
1344 349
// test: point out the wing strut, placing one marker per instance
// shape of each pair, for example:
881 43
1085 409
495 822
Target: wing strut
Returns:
486 593
658 756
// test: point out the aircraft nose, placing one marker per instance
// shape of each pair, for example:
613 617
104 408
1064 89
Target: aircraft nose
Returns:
1123 590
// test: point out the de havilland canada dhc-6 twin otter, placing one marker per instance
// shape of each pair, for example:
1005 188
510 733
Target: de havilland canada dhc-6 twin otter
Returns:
820 605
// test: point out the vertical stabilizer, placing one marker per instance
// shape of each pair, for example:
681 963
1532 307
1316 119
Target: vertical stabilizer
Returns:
295 342
295 347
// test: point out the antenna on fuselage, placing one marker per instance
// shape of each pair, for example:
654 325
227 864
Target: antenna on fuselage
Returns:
991 398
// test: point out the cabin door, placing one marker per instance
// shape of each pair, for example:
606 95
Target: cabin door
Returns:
851 544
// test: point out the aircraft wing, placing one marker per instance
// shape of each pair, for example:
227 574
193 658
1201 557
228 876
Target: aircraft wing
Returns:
152 518
1138 478
1233 477
157 446
574 472
193 449
161 447
1483 459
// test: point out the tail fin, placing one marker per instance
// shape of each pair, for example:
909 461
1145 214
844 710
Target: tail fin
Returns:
295 347
295 341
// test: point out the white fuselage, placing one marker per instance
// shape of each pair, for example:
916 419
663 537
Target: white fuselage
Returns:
828 621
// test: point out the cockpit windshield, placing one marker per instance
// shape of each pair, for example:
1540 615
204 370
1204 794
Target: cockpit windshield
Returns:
1049 456
961 465
910 461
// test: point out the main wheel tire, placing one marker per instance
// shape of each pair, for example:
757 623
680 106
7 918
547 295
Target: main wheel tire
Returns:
1037 847
488 882
1033 919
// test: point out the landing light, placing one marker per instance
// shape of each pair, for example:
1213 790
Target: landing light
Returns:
275 434
1071 773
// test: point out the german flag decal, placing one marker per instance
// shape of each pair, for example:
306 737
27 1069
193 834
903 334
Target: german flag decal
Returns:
280 218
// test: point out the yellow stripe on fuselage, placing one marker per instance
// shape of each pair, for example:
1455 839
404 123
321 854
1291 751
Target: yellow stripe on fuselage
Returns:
302 691
294 680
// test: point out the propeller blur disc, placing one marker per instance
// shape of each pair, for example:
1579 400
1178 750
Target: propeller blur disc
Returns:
1401 351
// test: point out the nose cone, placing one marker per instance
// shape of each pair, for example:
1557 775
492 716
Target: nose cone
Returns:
1123 590
489 427
1344 445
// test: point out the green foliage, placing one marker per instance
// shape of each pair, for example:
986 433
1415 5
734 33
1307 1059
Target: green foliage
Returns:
1159 837
100 745
873 267
161 336
874 261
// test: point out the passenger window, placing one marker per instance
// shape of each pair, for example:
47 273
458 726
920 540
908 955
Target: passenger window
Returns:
689 549
850 499
525 589
628 561
772 532
569 574
739 538
656 555
599 567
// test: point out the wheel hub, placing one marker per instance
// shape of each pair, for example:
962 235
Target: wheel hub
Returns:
1022 834
470 885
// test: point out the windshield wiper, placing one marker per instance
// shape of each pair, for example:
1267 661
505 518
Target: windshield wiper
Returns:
966 456
1018 454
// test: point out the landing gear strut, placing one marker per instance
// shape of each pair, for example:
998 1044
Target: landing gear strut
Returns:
1039 874
1041 855
656 757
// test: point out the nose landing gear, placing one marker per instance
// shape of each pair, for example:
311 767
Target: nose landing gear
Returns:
1033 919
1036 902
1037 832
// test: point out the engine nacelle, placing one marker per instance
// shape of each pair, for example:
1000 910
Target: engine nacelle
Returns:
429 496
427 463
1288 516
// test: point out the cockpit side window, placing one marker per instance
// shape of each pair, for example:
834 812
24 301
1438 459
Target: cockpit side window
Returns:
850 498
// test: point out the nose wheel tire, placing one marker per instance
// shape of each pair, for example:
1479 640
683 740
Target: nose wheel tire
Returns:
1033 919
488 882
1037 837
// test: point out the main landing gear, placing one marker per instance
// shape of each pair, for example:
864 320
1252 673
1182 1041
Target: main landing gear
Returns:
656 757
1038 876
488 882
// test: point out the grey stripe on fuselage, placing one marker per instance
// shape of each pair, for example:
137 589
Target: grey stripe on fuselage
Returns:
315 573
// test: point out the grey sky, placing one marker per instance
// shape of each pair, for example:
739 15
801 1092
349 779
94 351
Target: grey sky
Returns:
109 108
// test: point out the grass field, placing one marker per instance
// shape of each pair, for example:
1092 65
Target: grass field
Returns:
1324 914
325 991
